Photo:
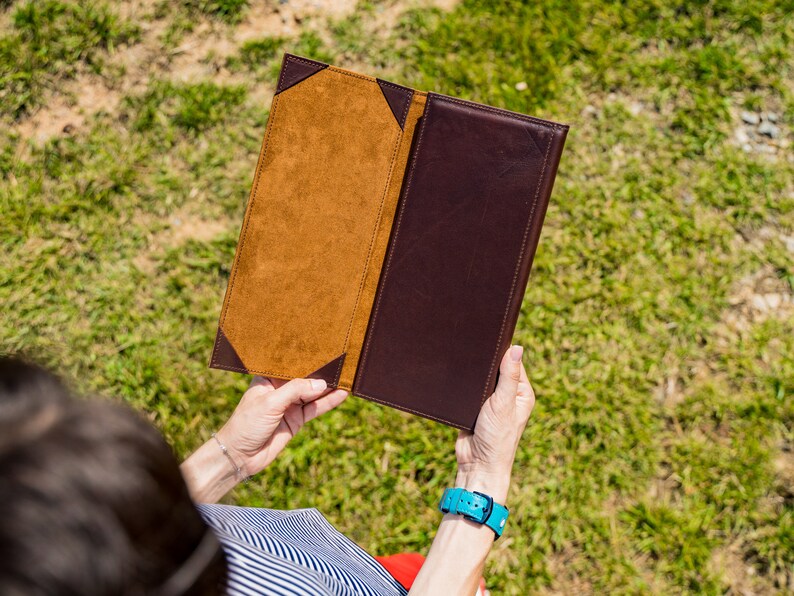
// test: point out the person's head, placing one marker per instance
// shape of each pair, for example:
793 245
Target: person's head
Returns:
91 498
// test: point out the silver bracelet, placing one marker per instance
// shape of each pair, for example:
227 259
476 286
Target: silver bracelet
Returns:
238 471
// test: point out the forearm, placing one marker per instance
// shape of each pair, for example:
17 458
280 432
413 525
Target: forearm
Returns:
457 556
208 473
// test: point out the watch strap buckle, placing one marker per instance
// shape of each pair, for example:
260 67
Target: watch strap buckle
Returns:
486 512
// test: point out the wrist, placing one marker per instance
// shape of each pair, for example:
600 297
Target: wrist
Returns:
208 474
492 483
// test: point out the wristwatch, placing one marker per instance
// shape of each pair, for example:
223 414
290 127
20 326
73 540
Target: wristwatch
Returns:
475 507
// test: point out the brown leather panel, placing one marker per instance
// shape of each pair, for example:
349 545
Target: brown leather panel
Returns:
224 356
311 222
459 258
330 372
358 329
295 69
398 98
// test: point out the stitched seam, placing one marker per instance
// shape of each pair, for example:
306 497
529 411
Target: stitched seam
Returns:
253 203
307 61
518 265
407 409
296 59
283 72
341 359
501 112
372 239
405 111
282 375
407 103
339 368
351 74
249 215
396 86
363 361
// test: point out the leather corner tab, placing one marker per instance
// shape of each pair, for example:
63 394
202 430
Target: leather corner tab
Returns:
329 372
225 356
398 98
295 69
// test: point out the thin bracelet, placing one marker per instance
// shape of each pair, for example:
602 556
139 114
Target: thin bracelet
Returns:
238 471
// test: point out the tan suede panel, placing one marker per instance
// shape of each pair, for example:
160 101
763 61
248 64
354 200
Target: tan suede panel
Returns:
361 317
301 263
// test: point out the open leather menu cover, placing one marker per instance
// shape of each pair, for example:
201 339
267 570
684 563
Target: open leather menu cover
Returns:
387 241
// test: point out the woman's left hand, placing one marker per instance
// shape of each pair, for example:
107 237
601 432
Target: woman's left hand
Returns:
269 414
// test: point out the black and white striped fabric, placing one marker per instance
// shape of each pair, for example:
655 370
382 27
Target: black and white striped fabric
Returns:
293 552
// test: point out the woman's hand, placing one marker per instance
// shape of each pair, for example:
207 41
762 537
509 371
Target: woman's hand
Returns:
485 456
269 414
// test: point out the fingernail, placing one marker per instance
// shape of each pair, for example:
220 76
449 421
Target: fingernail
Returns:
318 384
515 353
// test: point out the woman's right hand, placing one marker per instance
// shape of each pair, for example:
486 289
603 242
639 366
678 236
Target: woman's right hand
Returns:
485 456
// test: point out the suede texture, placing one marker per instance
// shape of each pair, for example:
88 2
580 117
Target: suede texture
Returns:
381 241
307 264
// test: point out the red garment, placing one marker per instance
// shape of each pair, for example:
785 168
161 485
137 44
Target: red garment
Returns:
403 567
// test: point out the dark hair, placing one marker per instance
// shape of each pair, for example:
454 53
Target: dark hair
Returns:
91 498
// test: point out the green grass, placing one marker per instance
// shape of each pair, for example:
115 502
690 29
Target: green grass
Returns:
188 107
258 52
658 459
51 38
229 11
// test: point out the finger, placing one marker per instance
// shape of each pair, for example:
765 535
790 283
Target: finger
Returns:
296 391
525 398
262 382
278 382
504 397
324 404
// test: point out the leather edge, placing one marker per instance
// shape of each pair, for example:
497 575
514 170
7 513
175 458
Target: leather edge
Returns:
557 143
329 372
557 126
295 69
398 98
224 356
383 402
227 298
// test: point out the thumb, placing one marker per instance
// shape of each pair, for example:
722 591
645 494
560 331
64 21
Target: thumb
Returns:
297 391
504 398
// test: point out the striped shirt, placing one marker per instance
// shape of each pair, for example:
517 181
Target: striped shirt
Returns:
293 552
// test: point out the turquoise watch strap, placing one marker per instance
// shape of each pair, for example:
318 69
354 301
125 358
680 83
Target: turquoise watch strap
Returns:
476 507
